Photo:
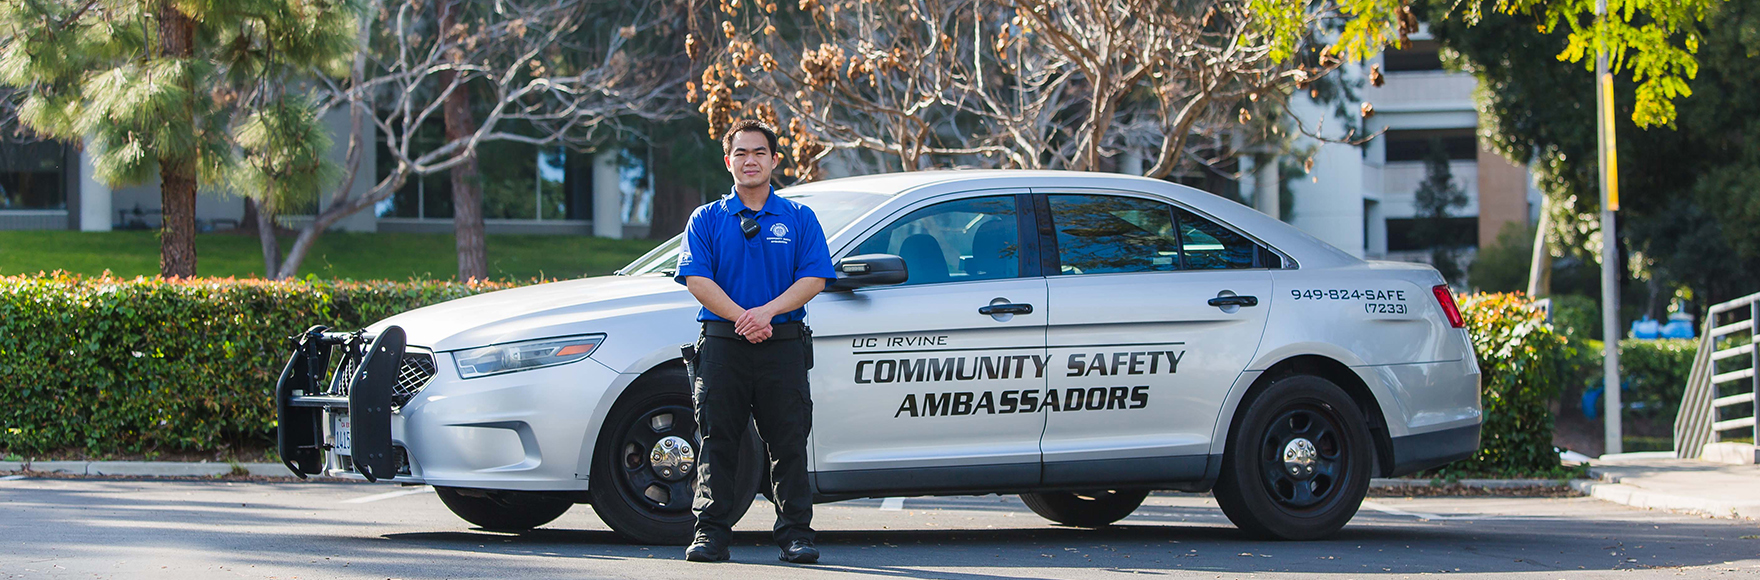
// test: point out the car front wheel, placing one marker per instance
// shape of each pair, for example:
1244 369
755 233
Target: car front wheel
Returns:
644 470
1298 461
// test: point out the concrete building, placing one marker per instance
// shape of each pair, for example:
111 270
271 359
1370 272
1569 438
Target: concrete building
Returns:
1361 198
527 189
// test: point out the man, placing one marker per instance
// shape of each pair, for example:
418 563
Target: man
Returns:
753 260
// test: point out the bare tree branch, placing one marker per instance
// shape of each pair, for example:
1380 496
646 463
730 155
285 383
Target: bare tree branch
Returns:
1014 83
552 72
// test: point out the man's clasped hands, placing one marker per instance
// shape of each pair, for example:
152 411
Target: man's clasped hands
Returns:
754 324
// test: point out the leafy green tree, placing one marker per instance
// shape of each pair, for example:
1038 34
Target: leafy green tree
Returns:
1436 199
196 91
1683 203
1653 41
1503 265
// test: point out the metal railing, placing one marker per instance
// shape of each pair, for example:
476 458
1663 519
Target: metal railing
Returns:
1723 390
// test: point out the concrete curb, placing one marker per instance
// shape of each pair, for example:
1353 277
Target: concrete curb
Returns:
1611 490
1396 483
147 468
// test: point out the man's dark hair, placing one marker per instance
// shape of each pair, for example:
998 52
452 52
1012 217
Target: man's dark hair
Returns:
744 125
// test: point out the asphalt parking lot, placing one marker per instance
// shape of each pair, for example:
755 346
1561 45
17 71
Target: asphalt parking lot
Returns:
92 528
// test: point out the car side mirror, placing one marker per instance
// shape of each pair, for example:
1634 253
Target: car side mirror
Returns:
868 270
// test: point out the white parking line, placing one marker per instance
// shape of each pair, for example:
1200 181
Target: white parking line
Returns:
1387 509
892 504
390 494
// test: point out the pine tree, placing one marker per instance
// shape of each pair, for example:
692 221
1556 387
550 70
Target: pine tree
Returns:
196 91
1437 196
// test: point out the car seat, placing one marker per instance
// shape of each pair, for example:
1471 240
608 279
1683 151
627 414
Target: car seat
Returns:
992 253
923 259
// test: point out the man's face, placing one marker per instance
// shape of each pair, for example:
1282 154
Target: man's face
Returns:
751 161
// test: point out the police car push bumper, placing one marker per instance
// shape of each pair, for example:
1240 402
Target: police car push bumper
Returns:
301 402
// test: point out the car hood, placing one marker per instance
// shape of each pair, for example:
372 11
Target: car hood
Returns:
581 306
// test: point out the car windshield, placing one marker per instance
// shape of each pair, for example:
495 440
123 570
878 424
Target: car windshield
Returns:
835 209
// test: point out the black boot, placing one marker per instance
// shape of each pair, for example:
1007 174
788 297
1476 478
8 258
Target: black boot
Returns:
705 549
800 552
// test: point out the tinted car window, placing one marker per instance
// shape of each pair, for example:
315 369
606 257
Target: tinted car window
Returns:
1098 234
1209 246
967 239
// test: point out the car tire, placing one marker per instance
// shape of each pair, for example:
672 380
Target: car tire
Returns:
506 511
1087 509
644 502
1297 463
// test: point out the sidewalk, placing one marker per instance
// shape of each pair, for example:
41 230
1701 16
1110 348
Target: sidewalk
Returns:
1659 481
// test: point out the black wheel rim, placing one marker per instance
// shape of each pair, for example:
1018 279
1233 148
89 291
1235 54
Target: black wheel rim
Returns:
1303 457
642 484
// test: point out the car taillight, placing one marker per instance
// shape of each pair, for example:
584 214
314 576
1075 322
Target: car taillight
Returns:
1445 299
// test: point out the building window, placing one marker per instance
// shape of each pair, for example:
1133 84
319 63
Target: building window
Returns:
519 181
31 175
529 182
1419 55
1403 234
1415 145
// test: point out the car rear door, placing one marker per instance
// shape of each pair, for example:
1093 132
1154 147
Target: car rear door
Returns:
913 387
1155 311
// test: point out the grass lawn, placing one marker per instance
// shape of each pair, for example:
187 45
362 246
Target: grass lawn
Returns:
337 255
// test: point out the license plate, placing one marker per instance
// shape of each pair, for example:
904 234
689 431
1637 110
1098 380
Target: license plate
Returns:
344 441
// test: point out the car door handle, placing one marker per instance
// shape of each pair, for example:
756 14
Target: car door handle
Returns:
1221 301
995 309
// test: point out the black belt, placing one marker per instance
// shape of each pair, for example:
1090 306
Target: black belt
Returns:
779 331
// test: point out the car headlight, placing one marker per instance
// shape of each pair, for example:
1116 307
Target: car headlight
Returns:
520 356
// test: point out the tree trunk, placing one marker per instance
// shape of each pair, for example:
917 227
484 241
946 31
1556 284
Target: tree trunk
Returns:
248 221
674 200
177 235
263 221
467 197
1540 262
177 177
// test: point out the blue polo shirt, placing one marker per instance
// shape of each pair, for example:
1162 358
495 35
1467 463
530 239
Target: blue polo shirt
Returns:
790 245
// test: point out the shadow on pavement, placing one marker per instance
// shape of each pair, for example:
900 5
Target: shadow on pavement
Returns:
276 528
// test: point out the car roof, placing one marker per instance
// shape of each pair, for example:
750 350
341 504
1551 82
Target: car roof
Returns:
905 182
1308 251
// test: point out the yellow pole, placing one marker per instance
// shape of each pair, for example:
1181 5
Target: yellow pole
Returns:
1610 167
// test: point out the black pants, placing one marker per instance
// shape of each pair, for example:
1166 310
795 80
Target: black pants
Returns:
737 382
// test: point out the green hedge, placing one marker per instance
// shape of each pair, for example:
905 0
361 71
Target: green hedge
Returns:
1654 372
1523 362
108 365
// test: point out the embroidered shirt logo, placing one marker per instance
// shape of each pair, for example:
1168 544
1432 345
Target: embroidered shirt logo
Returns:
779 230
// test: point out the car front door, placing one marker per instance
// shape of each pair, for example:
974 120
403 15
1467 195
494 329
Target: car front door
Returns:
1156 312
933 384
